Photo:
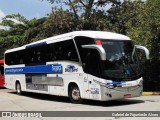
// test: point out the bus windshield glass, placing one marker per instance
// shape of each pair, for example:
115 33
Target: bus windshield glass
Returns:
121 62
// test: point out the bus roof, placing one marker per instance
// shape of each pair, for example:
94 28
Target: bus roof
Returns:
91 34
101 35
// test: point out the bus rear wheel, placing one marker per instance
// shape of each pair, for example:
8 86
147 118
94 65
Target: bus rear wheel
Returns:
74 94
18 88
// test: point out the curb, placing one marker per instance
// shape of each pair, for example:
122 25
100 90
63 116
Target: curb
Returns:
150 93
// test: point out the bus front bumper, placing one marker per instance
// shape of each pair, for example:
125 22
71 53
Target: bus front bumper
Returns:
120 92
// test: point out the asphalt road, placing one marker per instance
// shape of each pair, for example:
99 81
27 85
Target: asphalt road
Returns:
10 101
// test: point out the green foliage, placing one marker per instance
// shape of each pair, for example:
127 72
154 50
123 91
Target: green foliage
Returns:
58 22
20 31
145 27
120 14
145 30
86 13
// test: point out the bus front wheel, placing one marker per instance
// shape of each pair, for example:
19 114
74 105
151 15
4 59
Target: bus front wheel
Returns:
18 88
74 94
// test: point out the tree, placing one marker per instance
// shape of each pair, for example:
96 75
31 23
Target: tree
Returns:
58 22
20 31
145 29
120 14
84 11
35 26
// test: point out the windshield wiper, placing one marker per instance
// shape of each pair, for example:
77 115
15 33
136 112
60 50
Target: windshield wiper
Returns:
129 65
123 60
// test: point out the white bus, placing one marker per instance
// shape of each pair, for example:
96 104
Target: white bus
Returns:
81 65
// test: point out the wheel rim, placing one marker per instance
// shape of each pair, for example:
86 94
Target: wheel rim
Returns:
76 94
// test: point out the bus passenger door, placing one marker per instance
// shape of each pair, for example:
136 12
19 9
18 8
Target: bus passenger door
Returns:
91 89
91 68
86 86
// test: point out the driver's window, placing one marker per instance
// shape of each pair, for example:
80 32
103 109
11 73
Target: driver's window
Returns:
90 57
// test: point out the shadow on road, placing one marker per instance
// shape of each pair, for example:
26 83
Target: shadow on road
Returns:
113 102
85 102
3 88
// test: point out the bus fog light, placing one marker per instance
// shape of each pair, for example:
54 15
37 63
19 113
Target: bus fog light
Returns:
108 95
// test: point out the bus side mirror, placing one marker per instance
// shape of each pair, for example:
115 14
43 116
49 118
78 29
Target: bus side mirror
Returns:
99 48
145 50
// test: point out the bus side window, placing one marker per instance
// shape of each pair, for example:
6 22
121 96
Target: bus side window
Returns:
14 58
65 50
92 62
51 55
27 56
58 52
72 52
20 57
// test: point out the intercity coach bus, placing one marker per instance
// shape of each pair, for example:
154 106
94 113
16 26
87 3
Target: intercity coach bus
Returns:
81 65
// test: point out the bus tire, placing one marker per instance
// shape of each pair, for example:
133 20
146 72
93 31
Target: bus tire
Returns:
18 88
74 94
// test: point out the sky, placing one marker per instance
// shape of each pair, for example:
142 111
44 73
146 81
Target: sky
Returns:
28 8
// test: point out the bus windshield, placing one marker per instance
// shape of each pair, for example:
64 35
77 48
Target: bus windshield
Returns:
121 62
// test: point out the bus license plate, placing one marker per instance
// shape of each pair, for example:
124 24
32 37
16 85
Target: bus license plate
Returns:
127 95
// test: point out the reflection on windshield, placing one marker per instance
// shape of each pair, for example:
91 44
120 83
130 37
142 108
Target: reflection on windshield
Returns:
121 62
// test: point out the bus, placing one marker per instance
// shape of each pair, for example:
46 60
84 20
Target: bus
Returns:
1 73
81 65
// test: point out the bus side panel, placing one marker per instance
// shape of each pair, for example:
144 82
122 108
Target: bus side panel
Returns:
71 73
62 89
10 81
56 84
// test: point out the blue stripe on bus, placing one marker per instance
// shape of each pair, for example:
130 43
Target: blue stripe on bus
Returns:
54 68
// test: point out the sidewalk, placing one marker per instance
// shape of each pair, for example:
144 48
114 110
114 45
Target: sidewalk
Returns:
150 93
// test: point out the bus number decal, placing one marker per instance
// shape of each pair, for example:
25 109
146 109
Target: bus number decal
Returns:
71 68
57 68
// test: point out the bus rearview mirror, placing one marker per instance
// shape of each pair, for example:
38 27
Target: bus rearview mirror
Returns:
145 50
99 48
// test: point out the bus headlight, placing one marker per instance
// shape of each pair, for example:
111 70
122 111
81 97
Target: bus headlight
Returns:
141 82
